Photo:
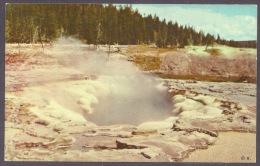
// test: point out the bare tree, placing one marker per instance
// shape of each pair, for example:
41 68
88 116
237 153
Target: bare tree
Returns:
35 35
40 37
99 34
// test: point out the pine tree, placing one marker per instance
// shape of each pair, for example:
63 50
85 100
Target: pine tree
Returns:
209 40
218 39
164 33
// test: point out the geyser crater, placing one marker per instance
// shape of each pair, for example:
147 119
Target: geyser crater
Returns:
121 93
132 103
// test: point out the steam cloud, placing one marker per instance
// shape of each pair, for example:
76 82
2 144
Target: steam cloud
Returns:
121 93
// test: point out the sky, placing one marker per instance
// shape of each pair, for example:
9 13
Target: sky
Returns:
231 22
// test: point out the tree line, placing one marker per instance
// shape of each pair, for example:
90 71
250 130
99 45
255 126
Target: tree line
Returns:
98 24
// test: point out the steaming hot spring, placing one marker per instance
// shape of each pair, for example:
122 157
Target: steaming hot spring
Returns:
115 92
125 100
75 103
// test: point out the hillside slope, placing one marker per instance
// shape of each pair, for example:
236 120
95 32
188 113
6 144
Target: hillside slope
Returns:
218 63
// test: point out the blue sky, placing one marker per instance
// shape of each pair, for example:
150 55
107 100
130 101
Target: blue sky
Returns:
232 22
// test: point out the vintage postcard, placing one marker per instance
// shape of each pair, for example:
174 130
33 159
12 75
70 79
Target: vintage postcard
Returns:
130 82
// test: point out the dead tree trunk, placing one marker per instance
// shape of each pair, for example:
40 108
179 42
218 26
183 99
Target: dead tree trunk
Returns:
34 35
109 49
40 37
20 40
42 45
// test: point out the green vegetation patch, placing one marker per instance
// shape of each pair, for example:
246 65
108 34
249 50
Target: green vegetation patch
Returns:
148 63
213 51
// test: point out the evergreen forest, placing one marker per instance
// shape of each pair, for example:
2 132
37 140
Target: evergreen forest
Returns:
100 24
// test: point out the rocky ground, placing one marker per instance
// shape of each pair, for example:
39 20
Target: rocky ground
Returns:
50 101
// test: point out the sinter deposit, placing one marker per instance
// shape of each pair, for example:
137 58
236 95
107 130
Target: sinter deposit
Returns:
74 103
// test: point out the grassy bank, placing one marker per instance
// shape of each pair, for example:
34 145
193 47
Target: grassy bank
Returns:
147 63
